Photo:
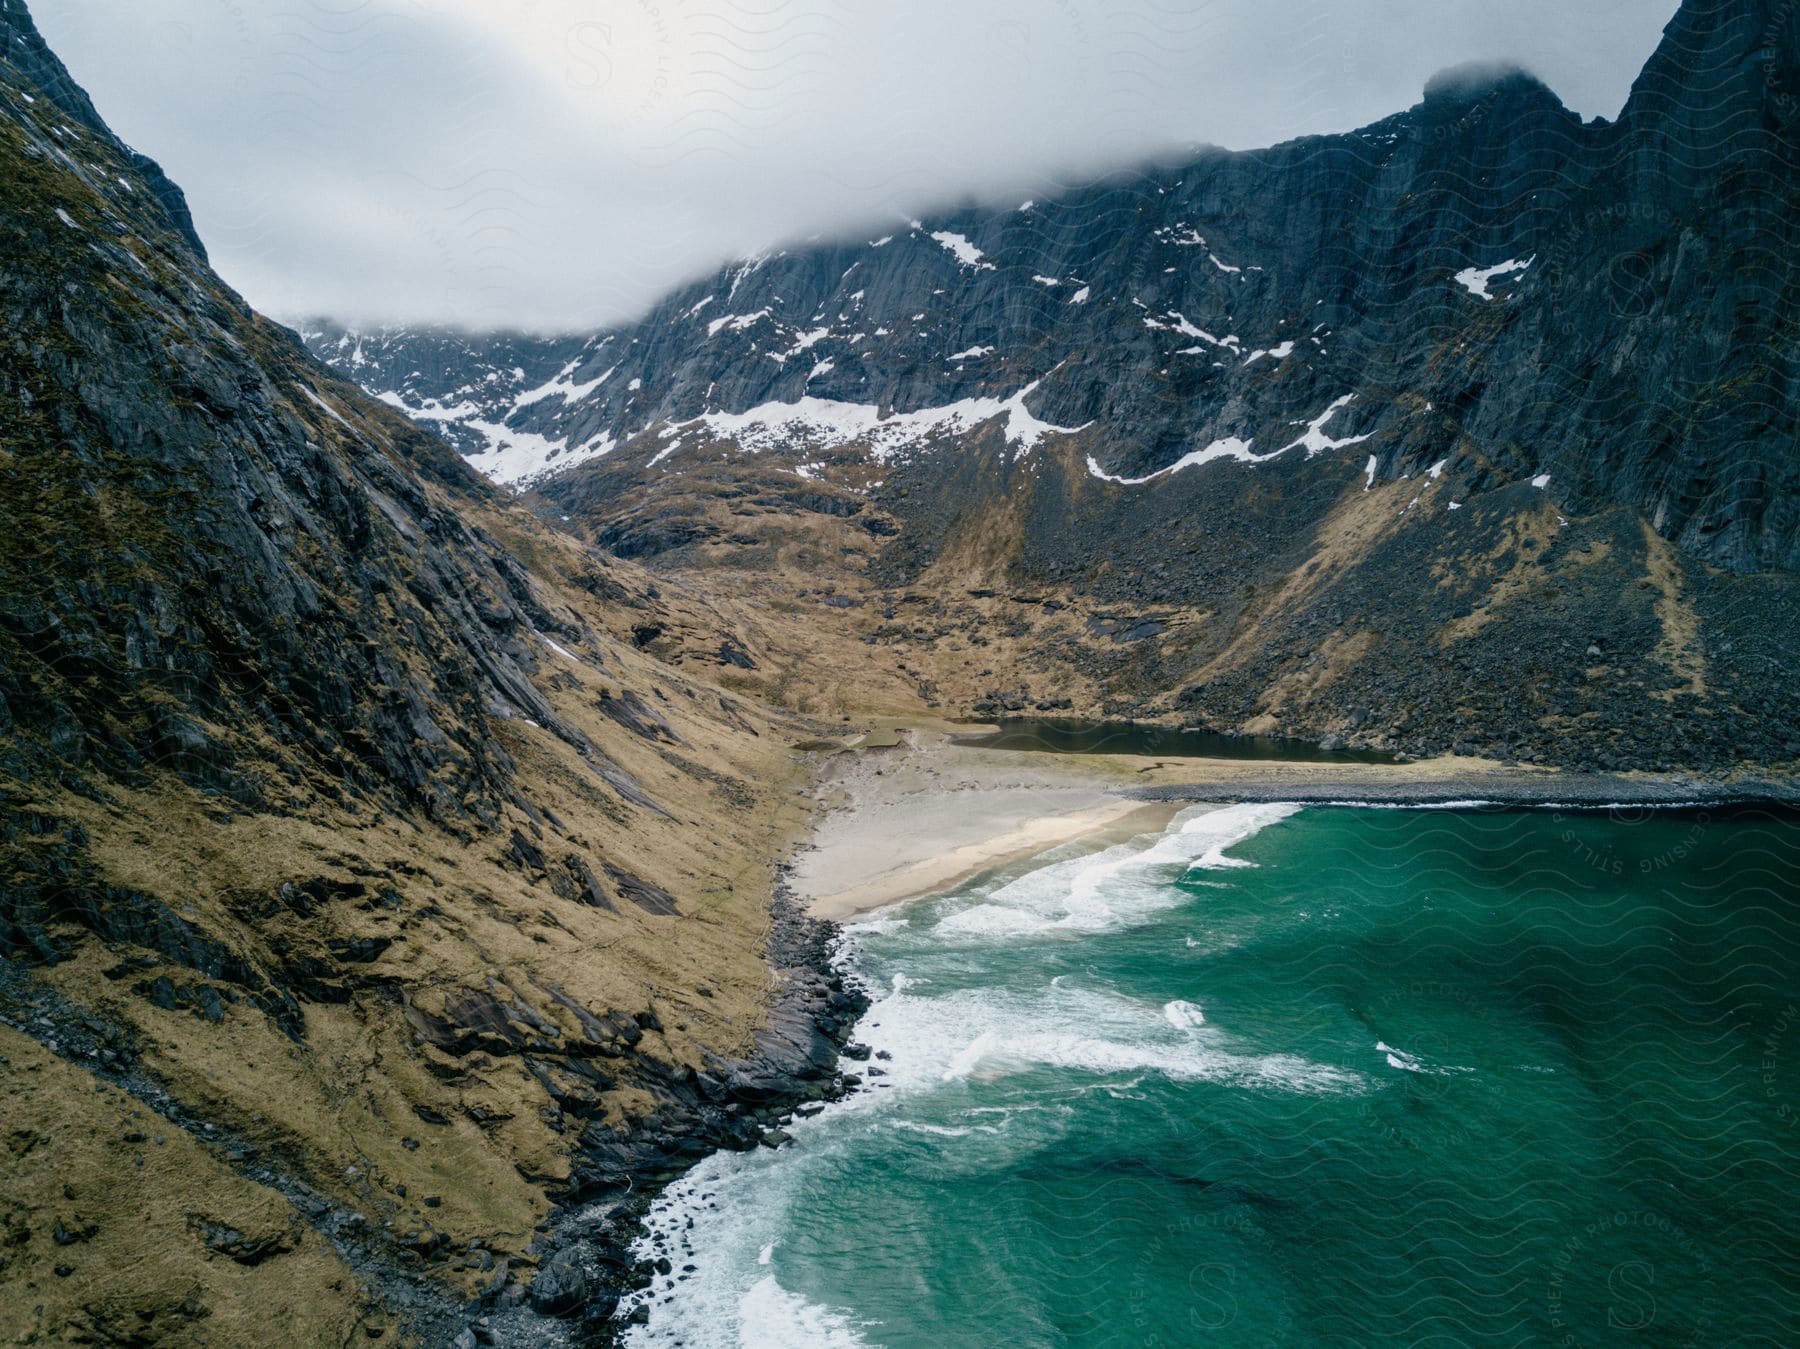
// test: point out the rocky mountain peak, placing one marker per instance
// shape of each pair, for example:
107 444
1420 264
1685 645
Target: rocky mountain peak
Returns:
1474 81
1720 53
34 67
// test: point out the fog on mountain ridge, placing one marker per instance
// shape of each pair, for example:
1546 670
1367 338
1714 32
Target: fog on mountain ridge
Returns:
558 165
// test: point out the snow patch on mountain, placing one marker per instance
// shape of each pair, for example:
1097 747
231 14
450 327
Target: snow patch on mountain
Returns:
323 406
962 250
1475 279
560 387
735 322
802 342
1313 440
511 458
1280 353
1181 325
1229 448
745 270
826 423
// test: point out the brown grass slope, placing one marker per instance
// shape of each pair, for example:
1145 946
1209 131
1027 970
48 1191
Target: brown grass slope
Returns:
1442 612
365 845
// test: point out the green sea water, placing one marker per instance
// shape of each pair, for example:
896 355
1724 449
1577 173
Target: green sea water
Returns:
1281 1076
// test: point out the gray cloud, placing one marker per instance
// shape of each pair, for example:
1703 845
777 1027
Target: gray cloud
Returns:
560 163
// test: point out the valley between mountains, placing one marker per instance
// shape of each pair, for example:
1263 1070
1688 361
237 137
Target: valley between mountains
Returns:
1469 430
403 731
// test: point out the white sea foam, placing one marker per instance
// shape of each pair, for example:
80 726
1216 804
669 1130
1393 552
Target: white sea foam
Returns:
981 1035
964 1063
1399 1058
1617 805
728 1216
935 1130
1415 805
1222 829
879 926
1412 1063
1284 1072
770 1317
1122 885
994 920
1184 1015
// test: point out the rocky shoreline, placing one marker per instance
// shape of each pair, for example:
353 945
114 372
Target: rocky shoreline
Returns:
583 1253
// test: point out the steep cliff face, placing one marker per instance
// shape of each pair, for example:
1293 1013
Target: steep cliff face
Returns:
380 866
1473 427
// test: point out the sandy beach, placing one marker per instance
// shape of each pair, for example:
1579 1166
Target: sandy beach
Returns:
925 814
911 813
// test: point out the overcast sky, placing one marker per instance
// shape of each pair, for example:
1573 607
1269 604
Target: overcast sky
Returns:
560 163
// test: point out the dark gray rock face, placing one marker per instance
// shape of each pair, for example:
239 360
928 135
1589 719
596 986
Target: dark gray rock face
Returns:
29 56
206 532
1639 352
560 1288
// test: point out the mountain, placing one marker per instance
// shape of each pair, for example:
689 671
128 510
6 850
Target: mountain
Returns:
451 381
389 854
383 869
1470 429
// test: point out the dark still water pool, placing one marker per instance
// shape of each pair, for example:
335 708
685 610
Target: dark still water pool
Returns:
1283 1076
1132 737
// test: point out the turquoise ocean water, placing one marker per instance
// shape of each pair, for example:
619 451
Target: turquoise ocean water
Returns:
1282 1076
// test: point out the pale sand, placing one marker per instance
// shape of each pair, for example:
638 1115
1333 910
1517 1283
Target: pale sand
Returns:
904 876
928 815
